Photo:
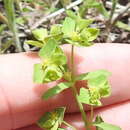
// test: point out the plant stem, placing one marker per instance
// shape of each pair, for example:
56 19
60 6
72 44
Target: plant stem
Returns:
114 3
109 22
67 124
76 93
91 114
9 7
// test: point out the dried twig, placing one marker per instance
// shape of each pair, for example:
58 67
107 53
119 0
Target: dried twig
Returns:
121 14
44 19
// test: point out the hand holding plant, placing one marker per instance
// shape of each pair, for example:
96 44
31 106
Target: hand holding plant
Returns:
75 31
25 99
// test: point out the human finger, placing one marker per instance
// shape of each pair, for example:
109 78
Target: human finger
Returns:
117 114
21 102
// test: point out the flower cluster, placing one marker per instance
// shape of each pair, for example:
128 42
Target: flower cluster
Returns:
98 87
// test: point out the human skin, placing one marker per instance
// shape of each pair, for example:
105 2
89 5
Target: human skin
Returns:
20 98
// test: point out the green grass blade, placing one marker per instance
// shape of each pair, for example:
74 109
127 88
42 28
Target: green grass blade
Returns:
10 13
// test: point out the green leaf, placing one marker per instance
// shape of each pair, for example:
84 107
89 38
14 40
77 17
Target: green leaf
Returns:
84 96
97 74
106 126
55 127
75 37
56 89
72 42
90 97
56 32
122 25
85 44
61 112
59 59
81 77
100 7
46 121
34 43
98 120
93 75
98 79
83 23
48 49
52 72
68 26
93 33
71 14
61 129
97 83
40 34
95 4
80 23
90 34
52 120
56 29
105 90
67 76
38 73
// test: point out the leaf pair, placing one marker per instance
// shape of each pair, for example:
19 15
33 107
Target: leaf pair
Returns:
42 35
98 87
49 74
52 120
53 65
76 31
56 90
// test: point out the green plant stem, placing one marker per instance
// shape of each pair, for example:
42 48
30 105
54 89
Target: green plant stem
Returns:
114 3
109 22
91 114
10 12
67 124
84 117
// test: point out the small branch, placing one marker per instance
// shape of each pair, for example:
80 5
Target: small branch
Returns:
44 19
